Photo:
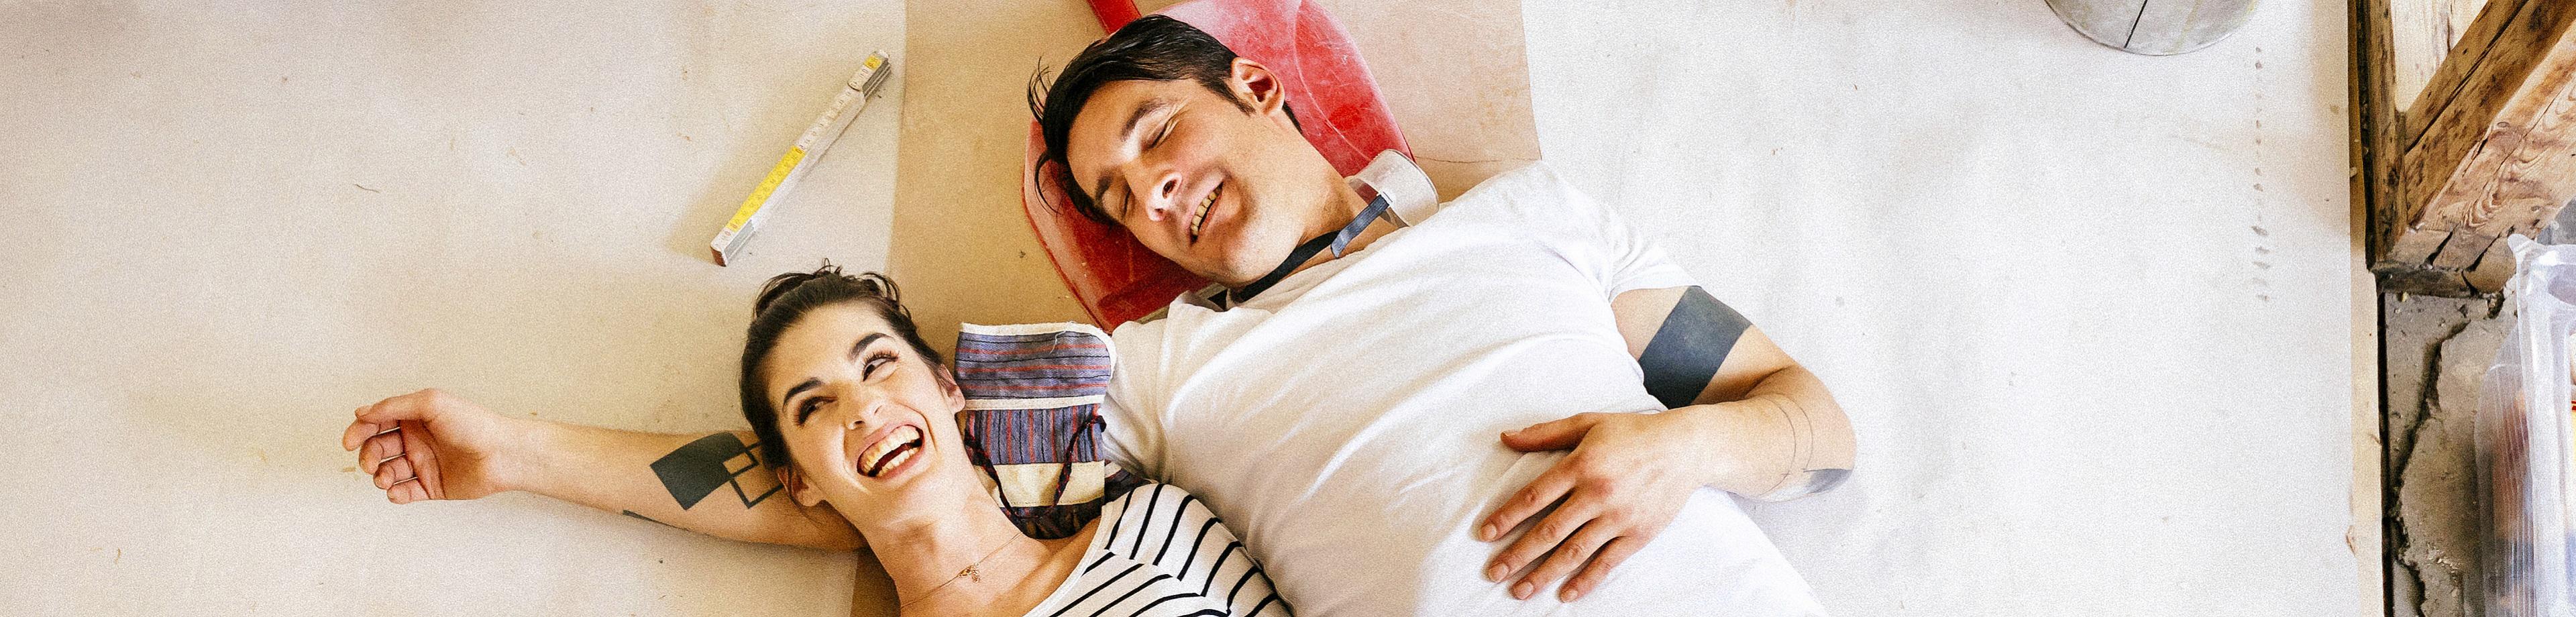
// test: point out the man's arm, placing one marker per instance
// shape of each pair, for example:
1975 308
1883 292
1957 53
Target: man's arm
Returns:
1787 436
431 445
1743 417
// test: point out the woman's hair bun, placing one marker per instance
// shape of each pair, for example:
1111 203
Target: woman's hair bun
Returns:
867 284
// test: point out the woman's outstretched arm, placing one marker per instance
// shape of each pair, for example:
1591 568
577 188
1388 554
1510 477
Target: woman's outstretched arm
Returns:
432 445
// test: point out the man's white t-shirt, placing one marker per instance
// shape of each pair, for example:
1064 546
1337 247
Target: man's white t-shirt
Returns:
1346 421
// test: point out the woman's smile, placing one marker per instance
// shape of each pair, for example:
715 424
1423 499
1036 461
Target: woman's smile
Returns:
893 447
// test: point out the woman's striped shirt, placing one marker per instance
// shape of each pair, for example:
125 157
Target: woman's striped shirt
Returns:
1160 553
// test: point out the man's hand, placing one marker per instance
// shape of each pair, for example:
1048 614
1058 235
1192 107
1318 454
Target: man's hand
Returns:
1628 476
429 445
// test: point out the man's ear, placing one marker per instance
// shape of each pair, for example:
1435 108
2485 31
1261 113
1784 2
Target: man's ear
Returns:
1255 85
794 482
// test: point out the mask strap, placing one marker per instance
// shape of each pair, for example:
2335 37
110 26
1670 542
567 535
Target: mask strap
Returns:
1336 241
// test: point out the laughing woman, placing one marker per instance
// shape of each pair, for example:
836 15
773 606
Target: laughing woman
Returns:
859 419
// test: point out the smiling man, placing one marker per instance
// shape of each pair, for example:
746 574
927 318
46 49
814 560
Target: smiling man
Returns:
1508 404
1339 398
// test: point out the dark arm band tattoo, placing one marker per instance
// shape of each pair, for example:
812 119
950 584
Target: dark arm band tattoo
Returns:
716 461
1689 347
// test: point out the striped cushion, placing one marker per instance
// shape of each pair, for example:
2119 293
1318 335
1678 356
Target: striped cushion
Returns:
1032 421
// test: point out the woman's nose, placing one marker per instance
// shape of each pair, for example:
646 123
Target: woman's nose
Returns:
861 410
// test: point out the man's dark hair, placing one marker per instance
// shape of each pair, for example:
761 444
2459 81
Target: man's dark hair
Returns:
785 300
1152 48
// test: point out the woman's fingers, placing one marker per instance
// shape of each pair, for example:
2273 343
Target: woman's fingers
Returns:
425 462
394 446
407 492
414 406
358 432
378 449
1566 558
393 473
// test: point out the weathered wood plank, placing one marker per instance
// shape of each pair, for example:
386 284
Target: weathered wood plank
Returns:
2376 143
2463 58
2493 159
2492 270
2420 35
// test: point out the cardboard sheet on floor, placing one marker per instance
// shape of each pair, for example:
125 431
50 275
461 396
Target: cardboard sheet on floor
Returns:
2093 312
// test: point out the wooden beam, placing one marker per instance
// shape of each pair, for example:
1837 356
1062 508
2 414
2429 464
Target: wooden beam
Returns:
2489 149
2374 112
2420 34
2461 50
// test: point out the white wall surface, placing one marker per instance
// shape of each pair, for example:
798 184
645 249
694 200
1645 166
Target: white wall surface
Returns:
2092 312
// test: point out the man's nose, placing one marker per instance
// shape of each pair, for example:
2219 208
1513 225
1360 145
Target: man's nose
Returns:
1158 187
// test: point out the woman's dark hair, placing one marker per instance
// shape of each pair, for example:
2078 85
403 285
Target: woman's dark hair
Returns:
785 300
1152 48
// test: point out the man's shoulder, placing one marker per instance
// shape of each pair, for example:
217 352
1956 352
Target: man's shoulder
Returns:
1536 191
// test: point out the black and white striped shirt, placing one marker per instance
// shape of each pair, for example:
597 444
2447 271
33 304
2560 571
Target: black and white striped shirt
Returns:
1160 553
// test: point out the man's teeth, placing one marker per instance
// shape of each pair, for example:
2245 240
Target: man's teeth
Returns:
1206 205
901 445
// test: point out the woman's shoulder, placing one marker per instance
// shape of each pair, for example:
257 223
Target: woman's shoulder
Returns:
1154 506
1159 541
1159 522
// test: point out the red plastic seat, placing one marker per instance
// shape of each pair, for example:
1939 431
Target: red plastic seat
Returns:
1336 101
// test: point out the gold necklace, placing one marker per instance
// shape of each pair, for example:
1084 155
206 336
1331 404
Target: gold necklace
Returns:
969 572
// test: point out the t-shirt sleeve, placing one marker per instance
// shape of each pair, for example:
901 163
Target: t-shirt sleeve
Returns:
1132 412
1618 255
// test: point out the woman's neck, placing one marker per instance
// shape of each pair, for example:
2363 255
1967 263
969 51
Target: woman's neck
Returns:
972 552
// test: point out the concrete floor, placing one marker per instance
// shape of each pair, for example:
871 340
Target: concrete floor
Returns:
2438 348
2099 317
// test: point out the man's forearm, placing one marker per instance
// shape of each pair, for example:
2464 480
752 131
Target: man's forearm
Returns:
1786 439
713 484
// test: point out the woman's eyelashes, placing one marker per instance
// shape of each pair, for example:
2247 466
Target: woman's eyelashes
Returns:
869 370
806 409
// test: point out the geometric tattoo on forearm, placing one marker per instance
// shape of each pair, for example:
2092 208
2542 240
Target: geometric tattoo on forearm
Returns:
647 518
716 461
1688 349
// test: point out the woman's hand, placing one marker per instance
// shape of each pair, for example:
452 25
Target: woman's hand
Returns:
430 445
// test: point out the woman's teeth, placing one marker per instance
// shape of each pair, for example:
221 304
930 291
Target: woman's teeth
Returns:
893 450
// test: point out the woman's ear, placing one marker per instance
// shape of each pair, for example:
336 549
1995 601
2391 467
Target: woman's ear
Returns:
1254 84
794 482
948 391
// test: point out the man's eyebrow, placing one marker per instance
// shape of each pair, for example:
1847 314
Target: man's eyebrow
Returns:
812 383
1134 118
